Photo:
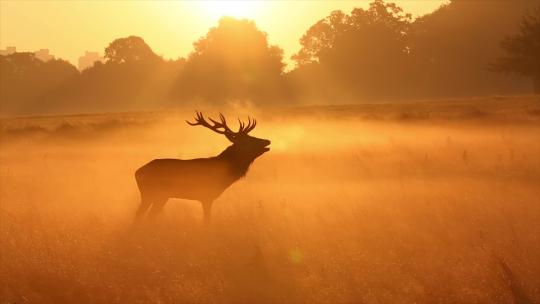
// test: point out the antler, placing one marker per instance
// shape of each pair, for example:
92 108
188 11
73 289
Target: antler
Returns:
246 129
199 120
216 126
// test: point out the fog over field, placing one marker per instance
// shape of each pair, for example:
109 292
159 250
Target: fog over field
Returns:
364 204
395 156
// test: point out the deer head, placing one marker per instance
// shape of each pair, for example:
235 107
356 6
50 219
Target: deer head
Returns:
245 147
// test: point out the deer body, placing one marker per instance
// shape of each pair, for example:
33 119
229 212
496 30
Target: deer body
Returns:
201 179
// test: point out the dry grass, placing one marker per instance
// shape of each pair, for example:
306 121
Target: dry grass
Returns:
393 210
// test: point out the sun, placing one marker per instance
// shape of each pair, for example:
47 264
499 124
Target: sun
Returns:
237 9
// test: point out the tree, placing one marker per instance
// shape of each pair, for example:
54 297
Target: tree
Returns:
321 37
233 61
363 52
362 27
380 52
29 85
129 49
522 51
132 77
453 46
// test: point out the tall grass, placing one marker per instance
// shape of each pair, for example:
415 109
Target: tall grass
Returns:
341 210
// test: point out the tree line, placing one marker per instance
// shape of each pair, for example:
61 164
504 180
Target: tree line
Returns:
378 53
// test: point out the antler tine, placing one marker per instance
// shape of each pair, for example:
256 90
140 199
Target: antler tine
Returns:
241 126
222 124
251 125
225 123
245 129
248 128
199 120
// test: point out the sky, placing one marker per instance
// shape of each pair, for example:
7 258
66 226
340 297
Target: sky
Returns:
69 28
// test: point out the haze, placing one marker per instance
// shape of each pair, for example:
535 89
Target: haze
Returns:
270 152
170 27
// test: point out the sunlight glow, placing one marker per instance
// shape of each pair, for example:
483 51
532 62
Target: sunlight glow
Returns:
238 9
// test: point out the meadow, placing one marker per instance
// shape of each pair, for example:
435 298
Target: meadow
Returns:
403 202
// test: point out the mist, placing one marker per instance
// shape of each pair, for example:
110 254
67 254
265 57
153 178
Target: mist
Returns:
388 208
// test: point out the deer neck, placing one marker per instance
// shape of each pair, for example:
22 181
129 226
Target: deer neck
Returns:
238 163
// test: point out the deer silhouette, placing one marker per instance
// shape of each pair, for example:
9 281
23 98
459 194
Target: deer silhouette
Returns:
201 179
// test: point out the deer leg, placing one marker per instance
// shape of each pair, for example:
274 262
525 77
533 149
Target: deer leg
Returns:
145 203
157 207
207 209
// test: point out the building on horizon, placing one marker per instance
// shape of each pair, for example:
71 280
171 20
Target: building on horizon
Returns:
8 51
88 60
43 55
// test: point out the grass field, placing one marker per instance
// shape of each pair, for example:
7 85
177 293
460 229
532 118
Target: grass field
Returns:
412 202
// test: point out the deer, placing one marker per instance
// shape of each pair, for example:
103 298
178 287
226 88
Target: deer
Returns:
200 179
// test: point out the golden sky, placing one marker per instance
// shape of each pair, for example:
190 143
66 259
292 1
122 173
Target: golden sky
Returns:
68 28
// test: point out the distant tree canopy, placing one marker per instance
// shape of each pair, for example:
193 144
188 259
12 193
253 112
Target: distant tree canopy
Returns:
131 76
364 52
382 53
522 51
29 83
454 46
380 28
129 49
232 62
370 54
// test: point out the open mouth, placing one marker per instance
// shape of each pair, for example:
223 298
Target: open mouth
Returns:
266 148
